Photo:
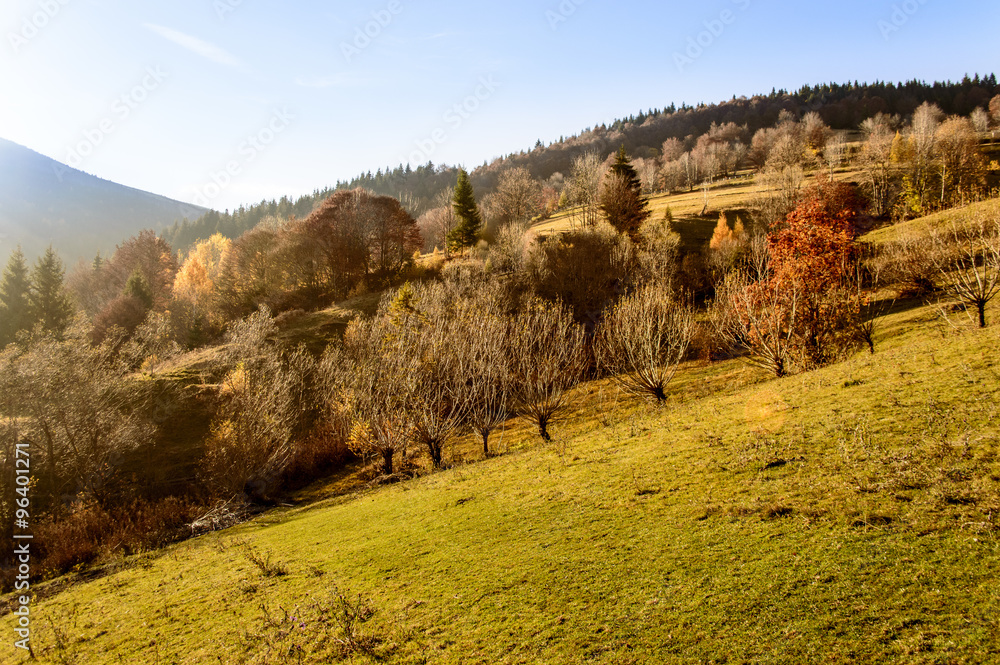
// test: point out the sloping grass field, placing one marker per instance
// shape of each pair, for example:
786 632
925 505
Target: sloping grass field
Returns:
847 515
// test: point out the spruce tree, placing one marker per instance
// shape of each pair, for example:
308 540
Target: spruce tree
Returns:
622 199
470 223
137 287
15 306
50 305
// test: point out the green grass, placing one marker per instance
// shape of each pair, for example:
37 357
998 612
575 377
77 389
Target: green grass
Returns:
939 220
845 515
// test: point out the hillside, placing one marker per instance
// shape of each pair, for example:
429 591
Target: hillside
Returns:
44 202
842 515
842 106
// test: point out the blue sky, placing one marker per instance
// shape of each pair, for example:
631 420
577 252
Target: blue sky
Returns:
222 102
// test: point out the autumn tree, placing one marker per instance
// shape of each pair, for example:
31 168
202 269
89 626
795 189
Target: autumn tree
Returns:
15 298
197 279
812 253
725 246
549 354
962 167
150 256
250 273
470 222
802 309
643 340
621 197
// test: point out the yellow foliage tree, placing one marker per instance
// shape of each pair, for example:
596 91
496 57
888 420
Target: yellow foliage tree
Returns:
197 278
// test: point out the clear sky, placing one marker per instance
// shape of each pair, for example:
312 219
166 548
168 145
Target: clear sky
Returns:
291 96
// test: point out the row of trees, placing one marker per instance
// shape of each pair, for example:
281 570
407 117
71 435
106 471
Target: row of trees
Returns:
353 241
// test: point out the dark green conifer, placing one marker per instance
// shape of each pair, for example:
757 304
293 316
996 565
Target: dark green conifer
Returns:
15 305
470 223
50 304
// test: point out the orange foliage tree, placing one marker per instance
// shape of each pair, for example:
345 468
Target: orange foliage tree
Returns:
804 311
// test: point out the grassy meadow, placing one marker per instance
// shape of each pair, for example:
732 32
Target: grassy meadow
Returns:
846 515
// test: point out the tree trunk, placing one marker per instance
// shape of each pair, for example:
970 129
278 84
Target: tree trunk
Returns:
982 314
543 429
485 434
387 456
434 447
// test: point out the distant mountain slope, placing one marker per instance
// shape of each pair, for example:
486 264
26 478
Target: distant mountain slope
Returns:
44 202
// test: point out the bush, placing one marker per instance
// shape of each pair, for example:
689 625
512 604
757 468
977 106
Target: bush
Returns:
586 270
88 532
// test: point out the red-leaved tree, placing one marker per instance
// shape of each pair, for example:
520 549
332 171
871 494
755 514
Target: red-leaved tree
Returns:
804 310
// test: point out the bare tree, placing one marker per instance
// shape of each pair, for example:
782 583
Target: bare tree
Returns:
980 120
438 400
657 251
438 222
967 259
586 178
643 340
486 348
962 168
371 382
776 193
834 151
517 197
876 163
816 131
548 360
509 251
649 173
